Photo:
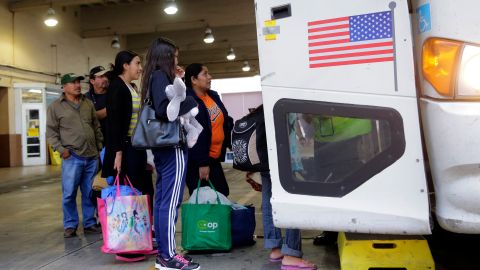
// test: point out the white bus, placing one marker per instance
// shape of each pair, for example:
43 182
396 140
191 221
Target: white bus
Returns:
372 84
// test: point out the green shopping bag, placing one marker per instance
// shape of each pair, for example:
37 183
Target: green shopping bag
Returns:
206 226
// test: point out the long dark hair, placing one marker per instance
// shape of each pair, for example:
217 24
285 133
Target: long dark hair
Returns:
192 71
123 57
160 56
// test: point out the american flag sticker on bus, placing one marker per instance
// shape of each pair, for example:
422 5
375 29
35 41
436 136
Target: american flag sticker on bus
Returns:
352 40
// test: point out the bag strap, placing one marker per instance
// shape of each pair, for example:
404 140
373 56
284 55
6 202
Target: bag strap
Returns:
126 181
117 180
148 99
211 185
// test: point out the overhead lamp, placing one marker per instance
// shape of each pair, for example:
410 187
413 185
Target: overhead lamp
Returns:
246 66
208 36
231 55
115 42
52 93
170 7
51 19
36 91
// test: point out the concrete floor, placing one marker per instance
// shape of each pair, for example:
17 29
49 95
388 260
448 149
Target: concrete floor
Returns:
31 232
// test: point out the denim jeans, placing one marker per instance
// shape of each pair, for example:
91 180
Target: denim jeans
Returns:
291 245
76 173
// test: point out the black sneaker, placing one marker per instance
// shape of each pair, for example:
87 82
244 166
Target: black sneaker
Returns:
188 258
95 229
177 262
69 233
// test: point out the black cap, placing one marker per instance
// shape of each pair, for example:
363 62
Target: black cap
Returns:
97 71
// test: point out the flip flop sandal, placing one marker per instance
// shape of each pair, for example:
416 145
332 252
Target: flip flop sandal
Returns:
274 260
299 266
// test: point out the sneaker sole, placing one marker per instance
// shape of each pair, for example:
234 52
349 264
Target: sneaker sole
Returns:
159 267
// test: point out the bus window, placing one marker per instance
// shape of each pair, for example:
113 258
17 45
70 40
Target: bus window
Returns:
334 148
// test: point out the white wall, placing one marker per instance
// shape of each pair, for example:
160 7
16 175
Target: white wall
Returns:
25 42
237 85
6 53
239 94
237 104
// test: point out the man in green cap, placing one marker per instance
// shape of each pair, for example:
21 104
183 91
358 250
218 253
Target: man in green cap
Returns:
74 131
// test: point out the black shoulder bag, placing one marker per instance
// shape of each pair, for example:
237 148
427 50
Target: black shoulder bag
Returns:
151 132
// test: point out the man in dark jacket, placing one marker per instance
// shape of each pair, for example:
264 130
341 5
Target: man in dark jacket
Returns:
97 93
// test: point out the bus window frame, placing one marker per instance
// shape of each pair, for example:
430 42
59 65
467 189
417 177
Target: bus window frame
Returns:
373 167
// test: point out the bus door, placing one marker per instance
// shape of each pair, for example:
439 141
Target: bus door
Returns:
340 106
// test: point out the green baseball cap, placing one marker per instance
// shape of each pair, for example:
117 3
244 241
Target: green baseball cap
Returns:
70 77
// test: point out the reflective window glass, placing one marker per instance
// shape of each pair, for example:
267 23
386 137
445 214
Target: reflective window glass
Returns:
329 149
32 96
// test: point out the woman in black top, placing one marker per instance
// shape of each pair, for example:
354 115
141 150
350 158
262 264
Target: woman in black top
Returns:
170 162
120 157
204 159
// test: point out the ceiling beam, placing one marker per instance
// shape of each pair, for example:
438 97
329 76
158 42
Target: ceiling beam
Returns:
149 17
219 56
242 38
230 75
29 4
192 39
232 69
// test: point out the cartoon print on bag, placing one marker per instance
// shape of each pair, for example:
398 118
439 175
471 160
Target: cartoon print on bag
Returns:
239 147
124 224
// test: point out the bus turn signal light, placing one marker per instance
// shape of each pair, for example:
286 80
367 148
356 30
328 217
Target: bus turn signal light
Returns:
439 64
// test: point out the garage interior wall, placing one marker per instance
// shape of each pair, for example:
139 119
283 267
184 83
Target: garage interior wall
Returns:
31 52
238 104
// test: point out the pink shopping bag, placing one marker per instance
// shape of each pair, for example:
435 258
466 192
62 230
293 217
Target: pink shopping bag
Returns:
126 223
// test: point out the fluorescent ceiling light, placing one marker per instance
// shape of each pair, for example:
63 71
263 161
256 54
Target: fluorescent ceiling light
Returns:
208 36
171 7
246 66
51 19
52 93
38 91
115 42
231 55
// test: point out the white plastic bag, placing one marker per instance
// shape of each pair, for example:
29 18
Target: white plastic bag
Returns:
236 206
206 195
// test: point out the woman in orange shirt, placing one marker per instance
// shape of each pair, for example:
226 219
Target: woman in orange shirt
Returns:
204 159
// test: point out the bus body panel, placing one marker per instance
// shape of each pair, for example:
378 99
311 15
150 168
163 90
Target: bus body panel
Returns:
451 127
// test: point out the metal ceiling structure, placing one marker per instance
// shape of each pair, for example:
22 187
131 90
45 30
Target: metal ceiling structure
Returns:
138 22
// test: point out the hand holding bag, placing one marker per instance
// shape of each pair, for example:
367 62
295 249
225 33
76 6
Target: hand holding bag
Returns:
151 132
